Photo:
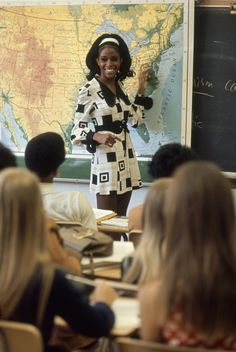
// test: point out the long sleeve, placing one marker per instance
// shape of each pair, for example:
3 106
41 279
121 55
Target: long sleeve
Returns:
146 102
80 130
136 115
67 302
136 112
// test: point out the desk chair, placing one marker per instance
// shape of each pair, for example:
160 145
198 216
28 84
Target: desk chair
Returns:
19 337
126 344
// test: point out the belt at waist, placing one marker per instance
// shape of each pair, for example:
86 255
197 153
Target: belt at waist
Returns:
115 127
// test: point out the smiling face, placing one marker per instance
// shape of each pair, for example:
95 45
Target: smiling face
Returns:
109 62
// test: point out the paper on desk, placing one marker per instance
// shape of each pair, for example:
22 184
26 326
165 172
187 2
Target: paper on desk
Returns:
121 249
116 221
127 314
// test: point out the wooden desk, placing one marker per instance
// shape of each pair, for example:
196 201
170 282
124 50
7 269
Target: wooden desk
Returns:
112 273
108 267
113 228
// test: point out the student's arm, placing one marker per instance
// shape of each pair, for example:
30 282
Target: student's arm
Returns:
81 132
89 320
135 218
150 328
58 253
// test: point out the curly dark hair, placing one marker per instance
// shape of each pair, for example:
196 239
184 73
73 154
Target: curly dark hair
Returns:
168 157
45 153
7 158
122 48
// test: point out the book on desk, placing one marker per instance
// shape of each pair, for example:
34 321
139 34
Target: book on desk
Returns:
103 214
107 220
121 249
125 308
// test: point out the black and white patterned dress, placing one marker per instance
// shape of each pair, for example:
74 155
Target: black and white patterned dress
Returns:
113 169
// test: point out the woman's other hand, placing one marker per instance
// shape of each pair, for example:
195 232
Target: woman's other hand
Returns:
108 139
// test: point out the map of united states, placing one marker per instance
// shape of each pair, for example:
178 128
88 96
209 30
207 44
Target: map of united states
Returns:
42 62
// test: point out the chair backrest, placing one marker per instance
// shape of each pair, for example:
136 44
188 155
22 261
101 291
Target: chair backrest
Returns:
19 337
126 344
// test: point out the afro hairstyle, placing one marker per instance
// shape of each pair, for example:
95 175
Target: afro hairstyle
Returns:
45 153
123 50
168 157
7 158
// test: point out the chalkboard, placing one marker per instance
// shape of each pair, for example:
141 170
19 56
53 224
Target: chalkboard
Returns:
214 87
79 169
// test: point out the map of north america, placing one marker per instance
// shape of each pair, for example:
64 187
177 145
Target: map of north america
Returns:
42 66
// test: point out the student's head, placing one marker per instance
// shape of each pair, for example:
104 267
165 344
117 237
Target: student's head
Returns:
168 158
44 154
150 249
7 158
200 202
153 216
23 241
99 51
200 248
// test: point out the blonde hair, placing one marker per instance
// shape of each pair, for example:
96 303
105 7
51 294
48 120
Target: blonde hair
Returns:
149 252
198 271
23 235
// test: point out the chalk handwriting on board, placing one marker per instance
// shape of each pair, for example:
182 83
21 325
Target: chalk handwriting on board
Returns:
230 86
196 122
200 83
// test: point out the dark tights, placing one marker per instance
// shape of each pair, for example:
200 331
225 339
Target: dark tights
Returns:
118 202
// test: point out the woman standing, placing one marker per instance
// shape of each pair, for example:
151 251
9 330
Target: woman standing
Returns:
114 169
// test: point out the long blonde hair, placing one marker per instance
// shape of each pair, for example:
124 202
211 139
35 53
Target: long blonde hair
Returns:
198 271
23 235
149 252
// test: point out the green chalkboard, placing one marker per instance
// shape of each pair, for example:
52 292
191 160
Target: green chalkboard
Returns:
79 168
214 87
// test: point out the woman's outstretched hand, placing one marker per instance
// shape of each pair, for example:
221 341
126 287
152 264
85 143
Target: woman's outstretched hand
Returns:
144 75
108 139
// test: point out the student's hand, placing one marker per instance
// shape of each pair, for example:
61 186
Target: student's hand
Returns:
108 139
104 293
144 75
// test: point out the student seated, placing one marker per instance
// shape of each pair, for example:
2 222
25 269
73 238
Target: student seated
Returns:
7 158
192 300
61 256
32 290
43 155
163 164
149 251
